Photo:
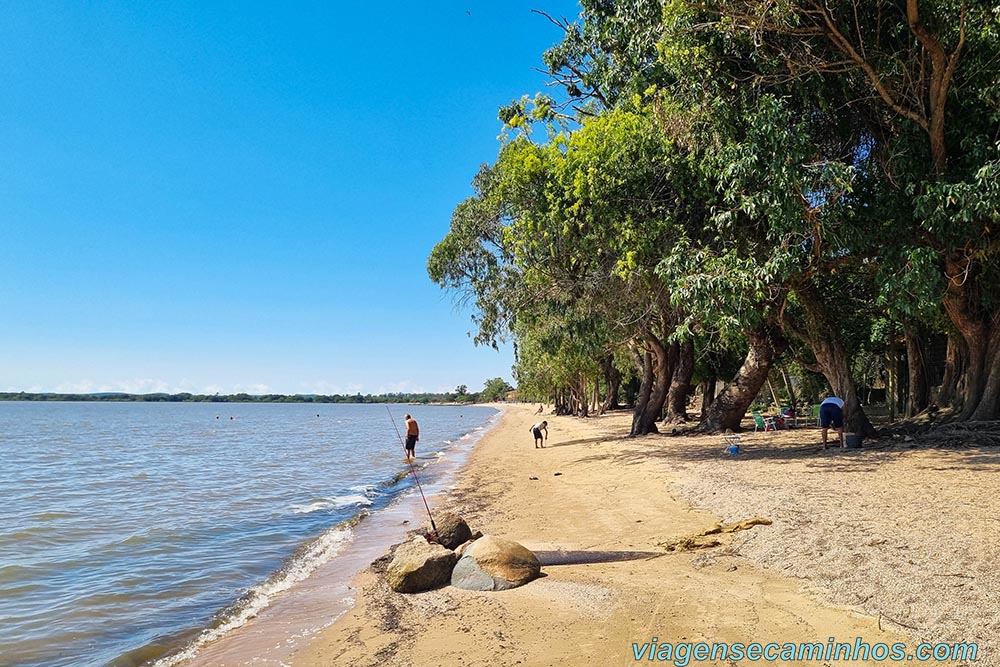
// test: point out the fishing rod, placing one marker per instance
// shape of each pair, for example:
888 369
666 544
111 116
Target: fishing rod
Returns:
413 471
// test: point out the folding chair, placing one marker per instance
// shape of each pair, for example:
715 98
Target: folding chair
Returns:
732 443
814 414
762 422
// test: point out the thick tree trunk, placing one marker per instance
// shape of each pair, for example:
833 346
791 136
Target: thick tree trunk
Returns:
644 362
707 394
644 421
729 407
662 372
918 398
960 304
680 383
989 409
832 359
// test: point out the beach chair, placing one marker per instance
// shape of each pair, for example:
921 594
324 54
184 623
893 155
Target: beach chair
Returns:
762 422
732 443
790 416
814 414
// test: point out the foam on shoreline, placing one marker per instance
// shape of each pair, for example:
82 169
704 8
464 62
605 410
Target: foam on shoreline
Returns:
313 589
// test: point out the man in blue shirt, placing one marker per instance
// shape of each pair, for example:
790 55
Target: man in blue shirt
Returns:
831 413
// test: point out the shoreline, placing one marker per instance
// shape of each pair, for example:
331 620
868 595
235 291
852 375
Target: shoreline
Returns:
295 614
588 495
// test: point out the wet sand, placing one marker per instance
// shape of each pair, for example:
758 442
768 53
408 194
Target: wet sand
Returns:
600 511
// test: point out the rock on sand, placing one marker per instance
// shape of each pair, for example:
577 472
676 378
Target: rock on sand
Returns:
451 530
493 564
419 566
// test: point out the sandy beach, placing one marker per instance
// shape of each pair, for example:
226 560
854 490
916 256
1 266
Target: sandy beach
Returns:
890 543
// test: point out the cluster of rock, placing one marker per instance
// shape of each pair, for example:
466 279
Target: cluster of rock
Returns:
474 562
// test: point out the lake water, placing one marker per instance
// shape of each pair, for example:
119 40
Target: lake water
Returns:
128 528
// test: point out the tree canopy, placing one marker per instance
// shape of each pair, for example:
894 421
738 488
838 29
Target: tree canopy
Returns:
802 182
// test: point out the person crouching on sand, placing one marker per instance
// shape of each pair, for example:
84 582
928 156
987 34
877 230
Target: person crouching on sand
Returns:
412 435
831 413
537 431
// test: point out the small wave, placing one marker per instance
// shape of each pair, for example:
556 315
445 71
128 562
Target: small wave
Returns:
259 597
325 504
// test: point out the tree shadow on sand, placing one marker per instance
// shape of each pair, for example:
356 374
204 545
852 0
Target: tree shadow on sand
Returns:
869 458
578 441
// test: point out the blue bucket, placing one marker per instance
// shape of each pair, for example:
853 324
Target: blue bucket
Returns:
734 449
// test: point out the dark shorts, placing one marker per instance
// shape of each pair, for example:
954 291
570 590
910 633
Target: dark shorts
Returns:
831 415
538 433
411 441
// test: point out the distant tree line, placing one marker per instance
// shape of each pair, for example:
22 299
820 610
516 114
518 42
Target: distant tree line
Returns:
494 390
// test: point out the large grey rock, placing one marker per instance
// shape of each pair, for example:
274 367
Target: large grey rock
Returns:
419 566
494 564
451 530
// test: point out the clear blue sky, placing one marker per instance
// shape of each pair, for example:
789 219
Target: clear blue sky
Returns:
242 196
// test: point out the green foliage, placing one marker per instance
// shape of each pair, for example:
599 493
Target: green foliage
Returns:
495 390
710 161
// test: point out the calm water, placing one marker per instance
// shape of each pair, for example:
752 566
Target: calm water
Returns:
127 527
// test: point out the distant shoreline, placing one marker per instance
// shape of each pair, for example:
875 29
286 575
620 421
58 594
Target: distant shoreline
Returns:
122 397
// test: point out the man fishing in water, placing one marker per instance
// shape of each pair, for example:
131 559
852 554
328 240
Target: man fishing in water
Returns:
412 435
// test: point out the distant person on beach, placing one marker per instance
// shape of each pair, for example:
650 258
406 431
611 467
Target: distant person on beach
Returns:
539 410
831 413
412 435
537 431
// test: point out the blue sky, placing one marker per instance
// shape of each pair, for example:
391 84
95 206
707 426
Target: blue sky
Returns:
242 196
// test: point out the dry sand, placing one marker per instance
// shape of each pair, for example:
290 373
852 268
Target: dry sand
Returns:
888 544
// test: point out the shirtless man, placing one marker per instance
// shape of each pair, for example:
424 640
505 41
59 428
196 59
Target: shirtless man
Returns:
412 435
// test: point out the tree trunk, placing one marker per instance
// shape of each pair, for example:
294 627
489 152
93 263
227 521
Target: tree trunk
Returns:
662 373
960 304
918 397
644 362
680 383
727 410
774 394
613 378
954 370
989 409
644 421
707 394
890 384
832 358
899 370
